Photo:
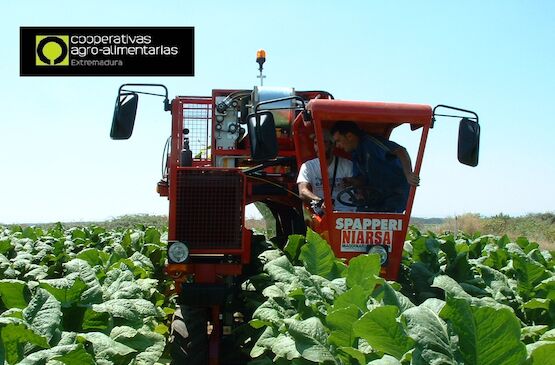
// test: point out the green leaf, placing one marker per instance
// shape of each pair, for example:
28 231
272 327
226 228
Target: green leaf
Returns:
528 272
93 292
94 257
433 345
293 246
393 297
383 332
96 321
15 334
44 314
66 290
317 255
541 353
280 269
532 333
549 335
132 310
120 284
363 271
149 345
106 350
284 346
489 332
355 296
310 339
269 313
265 341
14 293
340 322
385 360
74 354
352 356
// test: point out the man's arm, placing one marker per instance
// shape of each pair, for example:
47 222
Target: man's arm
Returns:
406 163
305 192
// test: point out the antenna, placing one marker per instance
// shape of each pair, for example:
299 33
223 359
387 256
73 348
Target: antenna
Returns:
260 59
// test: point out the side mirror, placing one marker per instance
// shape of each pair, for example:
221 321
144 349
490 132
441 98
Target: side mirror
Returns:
262 135
124 115
469 142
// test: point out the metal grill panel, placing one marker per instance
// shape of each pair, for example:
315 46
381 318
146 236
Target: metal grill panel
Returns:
209 210
197 118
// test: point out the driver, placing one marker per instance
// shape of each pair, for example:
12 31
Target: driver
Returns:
309 180
381 166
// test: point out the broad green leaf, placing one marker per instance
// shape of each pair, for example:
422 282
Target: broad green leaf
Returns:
120 284
310 339
132 310
93 292
15 337
528 272
66 290
293 246
489 332
363 271
385 360
14 293
317 255
434 304
549 335
355 296
44 314
433 345
265 341
96 321
66 354
280 269
537 303
106 350
270 313
393 297
532 333
340 322
350 355
148 344
284 346
541 353
94 257
5 246
152 235
141 260
383 332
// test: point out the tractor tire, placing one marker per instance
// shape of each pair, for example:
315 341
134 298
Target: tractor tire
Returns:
189 336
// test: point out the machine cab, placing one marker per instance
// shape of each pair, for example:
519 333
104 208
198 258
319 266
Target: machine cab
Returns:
361 229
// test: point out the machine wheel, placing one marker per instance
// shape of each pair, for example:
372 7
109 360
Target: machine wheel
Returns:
189 336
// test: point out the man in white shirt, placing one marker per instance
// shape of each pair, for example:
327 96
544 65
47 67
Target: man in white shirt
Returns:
309 180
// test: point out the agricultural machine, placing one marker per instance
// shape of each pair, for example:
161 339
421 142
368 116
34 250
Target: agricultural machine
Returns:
237 147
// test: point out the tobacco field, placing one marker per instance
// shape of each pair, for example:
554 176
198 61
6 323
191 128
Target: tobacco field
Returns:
90 295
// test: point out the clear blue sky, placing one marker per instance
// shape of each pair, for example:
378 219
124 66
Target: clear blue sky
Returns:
494 57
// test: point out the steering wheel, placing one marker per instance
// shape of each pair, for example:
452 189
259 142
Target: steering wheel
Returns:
358 197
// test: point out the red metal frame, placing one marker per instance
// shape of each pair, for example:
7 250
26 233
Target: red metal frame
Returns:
379 118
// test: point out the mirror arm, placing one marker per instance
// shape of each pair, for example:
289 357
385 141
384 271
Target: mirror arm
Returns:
167 105
434 114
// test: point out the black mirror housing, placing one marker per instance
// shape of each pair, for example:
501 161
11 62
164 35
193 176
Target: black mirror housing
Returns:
469 142
262 135
125 111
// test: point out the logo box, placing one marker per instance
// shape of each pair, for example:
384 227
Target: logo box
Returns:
107 51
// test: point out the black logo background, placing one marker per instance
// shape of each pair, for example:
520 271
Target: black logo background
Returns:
181 64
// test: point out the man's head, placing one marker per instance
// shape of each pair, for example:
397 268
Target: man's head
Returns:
328 142
346 135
